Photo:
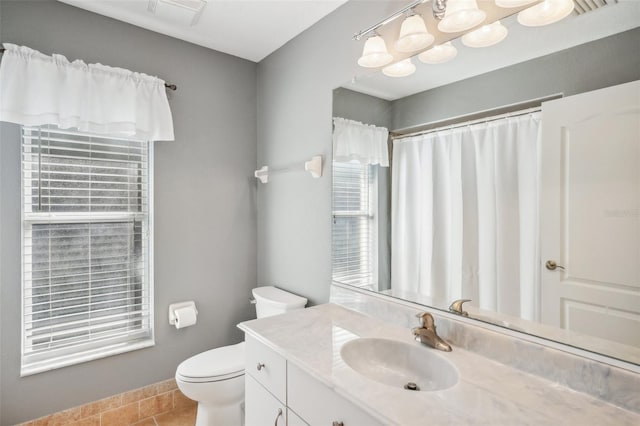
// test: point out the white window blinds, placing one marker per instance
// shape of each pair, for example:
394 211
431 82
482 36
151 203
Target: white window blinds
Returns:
354 239
86 247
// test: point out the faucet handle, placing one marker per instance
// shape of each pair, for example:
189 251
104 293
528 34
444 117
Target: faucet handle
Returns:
456 307
426 320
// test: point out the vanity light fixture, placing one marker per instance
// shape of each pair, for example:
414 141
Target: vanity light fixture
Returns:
486 36
546 13
513 3
461 15
400 69
439 54
414 35
452 19
375 53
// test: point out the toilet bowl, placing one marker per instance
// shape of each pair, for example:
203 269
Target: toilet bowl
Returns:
215 378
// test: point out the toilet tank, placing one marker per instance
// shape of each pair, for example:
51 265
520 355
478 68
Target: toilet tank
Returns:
273 301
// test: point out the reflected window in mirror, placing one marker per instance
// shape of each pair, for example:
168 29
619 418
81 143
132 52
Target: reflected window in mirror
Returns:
354 246
360 152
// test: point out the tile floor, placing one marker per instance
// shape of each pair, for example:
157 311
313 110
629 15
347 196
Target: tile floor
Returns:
159 404
182 417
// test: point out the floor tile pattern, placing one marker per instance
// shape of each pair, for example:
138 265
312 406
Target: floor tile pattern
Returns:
159 404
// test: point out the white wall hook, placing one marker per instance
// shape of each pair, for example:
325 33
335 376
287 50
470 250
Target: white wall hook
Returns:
314 166
262 174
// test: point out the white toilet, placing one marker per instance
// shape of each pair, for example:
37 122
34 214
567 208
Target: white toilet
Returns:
215 378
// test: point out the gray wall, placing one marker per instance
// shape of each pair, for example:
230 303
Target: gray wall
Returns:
205 224
360 107
295 86
590 66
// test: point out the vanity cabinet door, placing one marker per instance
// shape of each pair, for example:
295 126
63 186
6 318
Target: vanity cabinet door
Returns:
319 405
267 367
262 408
294 420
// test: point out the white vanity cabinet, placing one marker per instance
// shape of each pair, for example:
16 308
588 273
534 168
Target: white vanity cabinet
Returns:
294 420
261 407
279 393
320 405
265 383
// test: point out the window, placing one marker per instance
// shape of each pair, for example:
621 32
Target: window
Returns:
354 242
86 247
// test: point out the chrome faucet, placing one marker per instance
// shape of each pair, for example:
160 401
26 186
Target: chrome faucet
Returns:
426 333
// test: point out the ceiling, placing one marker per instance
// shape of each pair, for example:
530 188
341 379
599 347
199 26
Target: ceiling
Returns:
249 29
522 44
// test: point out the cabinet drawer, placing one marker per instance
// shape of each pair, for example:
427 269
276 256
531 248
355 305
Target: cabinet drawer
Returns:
319 405
261 408
267 367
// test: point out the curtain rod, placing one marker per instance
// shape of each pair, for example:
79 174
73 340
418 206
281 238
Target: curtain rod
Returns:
476 117
468 123
167 85
385 21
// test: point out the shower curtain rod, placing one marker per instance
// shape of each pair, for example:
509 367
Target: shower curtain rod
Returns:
467 123
486 116
167 85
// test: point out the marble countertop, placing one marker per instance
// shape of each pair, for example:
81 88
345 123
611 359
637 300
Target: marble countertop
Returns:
488 393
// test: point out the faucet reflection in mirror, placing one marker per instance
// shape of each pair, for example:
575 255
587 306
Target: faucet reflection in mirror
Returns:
449 19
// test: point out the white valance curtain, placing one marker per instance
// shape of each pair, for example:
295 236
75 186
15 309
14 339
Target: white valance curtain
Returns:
465 215
36 89
364 143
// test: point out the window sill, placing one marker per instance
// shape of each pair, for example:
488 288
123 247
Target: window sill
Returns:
36 367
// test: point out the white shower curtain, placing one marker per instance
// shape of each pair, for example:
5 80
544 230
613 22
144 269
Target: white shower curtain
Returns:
465 215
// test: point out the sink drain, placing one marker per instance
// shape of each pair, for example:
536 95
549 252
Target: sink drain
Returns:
412 386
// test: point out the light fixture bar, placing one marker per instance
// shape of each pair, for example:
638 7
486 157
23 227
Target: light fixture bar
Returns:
359 35
439 8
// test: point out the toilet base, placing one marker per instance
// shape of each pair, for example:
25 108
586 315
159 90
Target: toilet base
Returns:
228 415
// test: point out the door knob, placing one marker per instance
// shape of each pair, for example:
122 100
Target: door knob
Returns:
552 265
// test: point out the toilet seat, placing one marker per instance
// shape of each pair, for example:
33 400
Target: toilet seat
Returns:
214 365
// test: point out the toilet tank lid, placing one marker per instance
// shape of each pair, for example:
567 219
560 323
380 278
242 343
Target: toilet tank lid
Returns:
275 296
216 362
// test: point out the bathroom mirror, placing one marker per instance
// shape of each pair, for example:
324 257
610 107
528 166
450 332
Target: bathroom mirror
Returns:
480 202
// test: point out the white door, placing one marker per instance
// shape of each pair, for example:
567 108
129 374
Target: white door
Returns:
590 213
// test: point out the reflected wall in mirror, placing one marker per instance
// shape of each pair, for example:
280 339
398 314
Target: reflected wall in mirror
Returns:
513 181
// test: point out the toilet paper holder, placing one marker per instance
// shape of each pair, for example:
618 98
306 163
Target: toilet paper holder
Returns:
174 306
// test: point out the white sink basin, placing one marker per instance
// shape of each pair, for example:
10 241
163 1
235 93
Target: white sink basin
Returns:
397 364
